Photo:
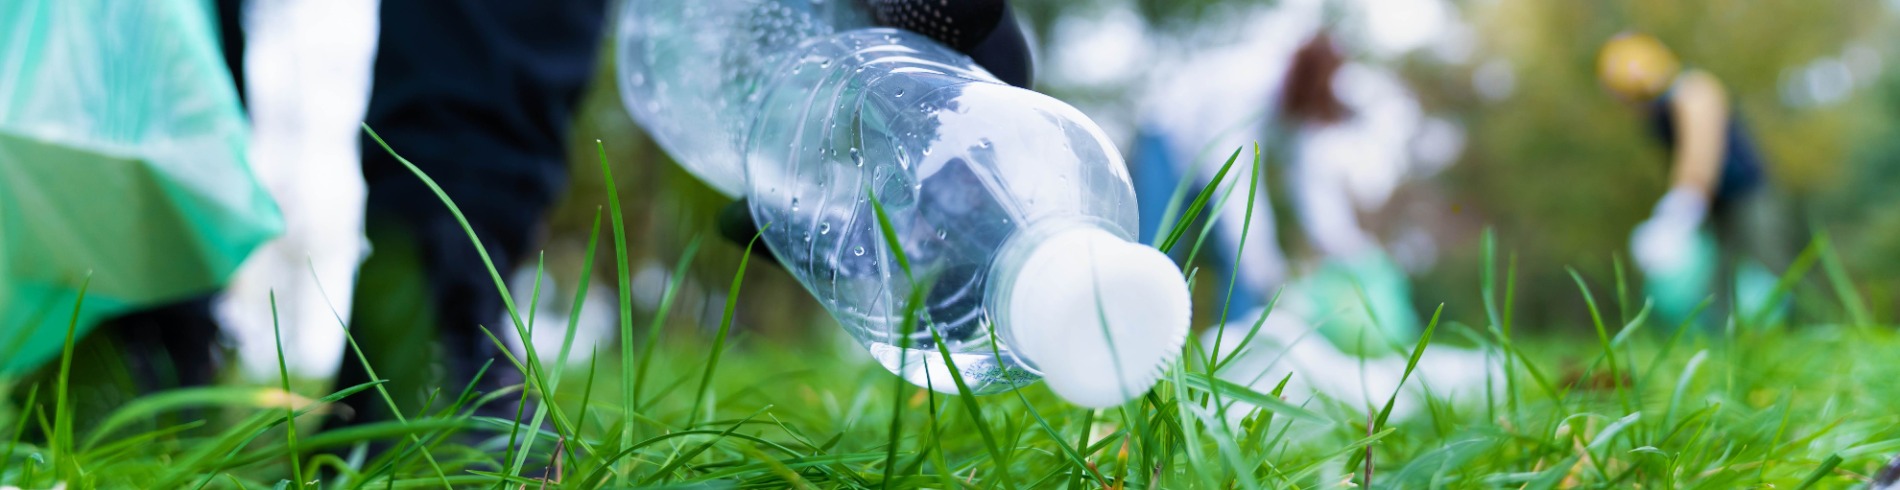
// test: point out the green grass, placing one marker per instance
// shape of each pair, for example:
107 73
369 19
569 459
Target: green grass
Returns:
1618 405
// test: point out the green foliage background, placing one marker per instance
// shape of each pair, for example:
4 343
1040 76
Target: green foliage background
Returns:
1559 168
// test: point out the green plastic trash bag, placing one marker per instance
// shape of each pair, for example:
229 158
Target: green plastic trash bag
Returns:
1681 286
122 156
1755 294
1362 304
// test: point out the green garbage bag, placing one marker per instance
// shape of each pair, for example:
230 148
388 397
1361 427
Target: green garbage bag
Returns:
122 158
1362 304
1678 288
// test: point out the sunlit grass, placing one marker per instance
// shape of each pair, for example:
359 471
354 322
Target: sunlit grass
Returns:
1621 405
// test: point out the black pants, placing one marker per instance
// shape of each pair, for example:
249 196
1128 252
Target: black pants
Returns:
478 94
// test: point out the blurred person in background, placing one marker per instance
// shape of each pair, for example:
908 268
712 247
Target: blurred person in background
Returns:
478 94
1718 183
1335 142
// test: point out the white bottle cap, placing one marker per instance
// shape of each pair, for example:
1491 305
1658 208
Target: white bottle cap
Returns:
1099 316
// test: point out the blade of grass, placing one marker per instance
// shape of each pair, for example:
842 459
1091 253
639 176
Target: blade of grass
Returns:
1622 290
903 360
1268 403
901 333
678 460
64 462
660 316
283 378
631 382
1194 209
1603 336
349 339
1233 273
963 390
1213 210
1827 465
1767 457
1843 285
1082 444
580 300
1182 418
481 250
974 408
535 380
387 463
108 453
1253 331
596 477
183 398
1079 463
518 454
725 328
890 234
1796 270
19 429
567 344
1411 364
192 465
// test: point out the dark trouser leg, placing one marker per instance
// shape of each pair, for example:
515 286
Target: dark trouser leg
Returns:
477 94
1752 231
170 346
393 325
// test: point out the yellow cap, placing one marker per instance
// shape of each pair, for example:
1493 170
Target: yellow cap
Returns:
1636 66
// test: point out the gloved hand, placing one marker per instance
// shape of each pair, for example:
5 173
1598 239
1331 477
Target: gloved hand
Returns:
1665 239
986 30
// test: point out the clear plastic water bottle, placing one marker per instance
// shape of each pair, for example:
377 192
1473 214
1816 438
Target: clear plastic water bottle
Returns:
1013 210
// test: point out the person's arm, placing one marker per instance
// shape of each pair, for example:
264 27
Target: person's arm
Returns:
1701 118
1701 107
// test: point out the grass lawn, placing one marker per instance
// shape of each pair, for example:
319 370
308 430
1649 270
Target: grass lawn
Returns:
1626 405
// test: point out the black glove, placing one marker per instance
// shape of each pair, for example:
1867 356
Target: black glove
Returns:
986 30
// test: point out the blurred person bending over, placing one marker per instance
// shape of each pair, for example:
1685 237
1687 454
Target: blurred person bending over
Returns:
1345 131
1717 177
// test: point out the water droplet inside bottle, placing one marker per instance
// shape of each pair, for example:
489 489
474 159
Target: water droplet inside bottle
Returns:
926 151
824 227
794 204
898 94
858 251
942 233
857 157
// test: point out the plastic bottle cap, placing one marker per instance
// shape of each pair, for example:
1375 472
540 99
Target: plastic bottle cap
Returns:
1099 316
